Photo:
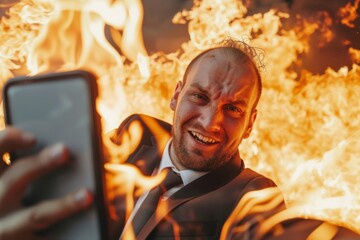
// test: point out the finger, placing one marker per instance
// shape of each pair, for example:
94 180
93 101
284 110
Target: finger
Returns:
28 169
15 180
12 138
48 213
9 234
4 162
45 214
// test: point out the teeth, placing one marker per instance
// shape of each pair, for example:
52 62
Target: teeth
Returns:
203 138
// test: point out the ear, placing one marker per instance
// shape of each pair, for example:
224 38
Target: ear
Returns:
251 123
174 99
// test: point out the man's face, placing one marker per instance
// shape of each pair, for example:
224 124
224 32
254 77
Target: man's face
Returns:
212 112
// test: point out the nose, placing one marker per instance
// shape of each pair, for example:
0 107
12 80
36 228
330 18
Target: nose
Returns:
211 119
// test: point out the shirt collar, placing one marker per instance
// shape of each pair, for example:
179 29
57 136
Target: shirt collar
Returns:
186 175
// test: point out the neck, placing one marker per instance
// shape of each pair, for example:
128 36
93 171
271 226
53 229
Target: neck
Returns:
174 159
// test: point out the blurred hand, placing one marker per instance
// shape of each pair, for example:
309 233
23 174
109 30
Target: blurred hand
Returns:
16 221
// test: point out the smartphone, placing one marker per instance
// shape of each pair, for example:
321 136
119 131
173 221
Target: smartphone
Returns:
61 107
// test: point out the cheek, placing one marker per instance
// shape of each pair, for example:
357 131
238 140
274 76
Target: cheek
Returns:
181 116
235 132
185 111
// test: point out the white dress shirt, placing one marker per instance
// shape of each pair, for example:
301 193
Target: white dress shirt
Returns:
186 175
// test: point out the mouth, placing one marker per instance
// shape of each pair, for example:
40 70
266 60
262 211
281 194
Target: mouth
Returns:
203 139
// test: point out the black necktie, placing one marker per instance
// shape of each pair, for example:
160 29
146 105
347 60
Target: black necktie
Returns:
151 201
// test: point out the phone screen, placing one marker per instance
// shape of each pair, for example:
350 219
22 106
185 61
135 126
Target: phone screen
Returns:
62 110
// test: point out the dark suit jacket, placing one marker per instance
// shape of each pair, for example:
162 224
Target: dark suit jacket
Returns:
199 208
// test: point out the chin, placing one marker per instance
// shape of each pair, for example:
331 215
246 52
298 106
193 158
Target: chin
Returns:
200 165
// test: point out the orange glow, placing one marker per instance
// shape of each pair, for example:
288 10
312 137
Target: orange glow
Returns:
324 231
306 136
253 203
355 55
325 28
348 13
6 158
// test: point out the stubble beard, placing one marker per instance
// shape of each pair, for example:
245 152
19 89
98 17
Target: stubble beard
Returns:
198 163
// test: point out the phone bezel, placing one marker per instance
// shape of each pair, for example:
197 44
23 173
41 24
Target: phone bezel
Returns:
96 131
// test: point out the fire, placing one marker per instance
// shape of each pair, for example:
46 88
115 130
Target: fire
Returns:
348 13
306 137
34 31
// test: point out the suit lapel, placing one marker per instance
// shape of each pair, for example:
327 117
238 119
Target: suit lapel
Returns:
210 182
146 159
205 184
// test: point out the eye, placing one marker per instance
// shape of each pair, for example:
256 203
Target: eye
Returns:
234 110
200 97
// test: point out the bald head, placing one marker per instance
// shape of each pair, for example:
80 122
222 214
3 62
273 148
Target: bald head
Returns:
240 53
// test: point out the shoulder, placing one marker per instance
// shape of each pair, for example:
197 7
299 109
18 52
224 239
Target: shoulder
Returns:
253 180
140 140
141 124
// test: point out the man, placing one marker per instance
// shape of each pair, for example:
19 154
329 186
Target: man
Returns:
214 109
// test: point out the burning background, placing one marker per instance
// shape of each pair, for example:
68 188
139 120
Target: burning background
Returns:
306 136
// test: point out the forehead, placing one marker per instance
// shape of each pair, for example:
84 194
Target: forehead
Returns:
223 72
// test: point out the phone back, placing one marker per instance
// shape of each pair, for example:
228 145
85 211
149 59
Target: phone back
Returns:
61 108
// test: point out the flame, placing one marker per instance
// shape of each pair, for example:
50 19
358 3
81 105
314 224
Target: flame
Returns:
355 55
306 135
348 13
6 158
255 202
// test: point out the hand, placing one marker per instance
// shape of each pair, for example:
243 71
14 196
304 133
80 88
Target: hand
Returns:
16 221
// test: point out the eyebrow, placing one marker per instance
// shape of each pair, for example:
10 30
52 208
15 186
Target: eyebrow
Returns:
240 102
201 89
